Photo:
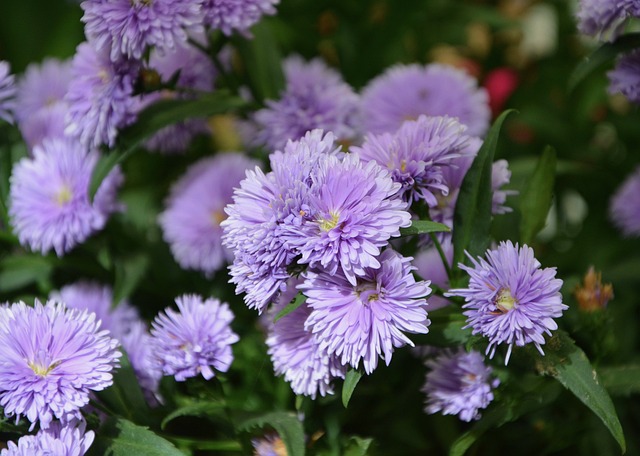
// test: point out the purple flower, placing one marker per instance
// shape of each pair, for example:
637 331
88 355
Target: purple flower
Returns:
7 92
57 440
240 15
406 91
624 208
139 345
98 299
195 208
127 28
416 154
269 445
429 266
100 97
315 96
53 357
296 352
458 383
50 207
510 299
194 341
368 319
601 17
625 77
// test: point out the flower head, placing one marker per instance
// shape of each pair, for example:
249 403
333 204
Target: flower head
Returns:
404 92
458 383
269 445
625 77
368 319
53 358
592 295
600 17
7 92
240 15
196 340
510 299
624 207
315 96
50 207
57 440
195 209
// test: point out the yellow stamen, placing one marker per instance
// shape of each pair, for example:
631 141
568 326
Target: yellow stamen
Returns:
329 224
504 301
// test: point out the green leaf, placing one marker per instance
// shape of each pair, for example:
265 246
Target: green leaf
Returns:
286 424
155 117
423 227
292 306
568 364
201 409
472 216
120 437
535 200
349 386
603 55
129 273
621 380
19 271
358 446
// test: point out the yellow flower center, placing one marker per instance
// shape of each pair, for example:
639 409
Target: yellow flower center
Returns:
217 217
63 196
327 224
42 371
504 301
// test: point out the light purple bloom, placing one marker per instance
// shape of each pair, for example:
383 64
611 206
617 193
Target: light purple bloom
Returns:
429 266
140 346
417 153
601 17
53 358
624 208
49 198
240 15
7 92
196 340
127 28
296 352
458 383
191 221
510 299
57 440
315 96
368 319
100 97
625 77
405 92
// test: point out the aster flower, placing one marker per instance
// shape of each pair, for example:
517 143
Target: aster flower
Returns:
315 96
368 319
458 383
194 341
7 92
407 91
624 207
53 358
127 28
195 208
296 352
429 266
269 445
98 299
601 17
240 15
625 77
57 440
510 299
100 97
416 154
50 206
139 345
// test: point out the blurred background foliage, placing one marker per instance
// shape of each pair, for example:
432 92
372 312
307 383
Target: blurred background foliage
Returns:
597 139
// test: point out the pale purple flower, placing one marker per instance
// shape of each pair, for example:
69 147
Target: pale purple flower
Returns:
510 299
315 96
625 77
296 352
269 445
7 92
47 123
97 298
458 383
127 28
601 18
368 319
417 153
429 266
239 15
140 346
191 221
624 207
100 96
405 92
195 340
53 358
49 197
57 440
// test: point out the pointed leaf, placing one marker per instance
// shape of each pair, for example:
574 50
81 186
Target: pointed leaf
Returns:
358 446
423 227
291 307
286 424
535 200
349 386
204 409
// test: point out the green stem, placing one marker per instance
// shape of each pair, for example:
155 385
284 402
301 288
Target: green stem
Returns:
443 257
